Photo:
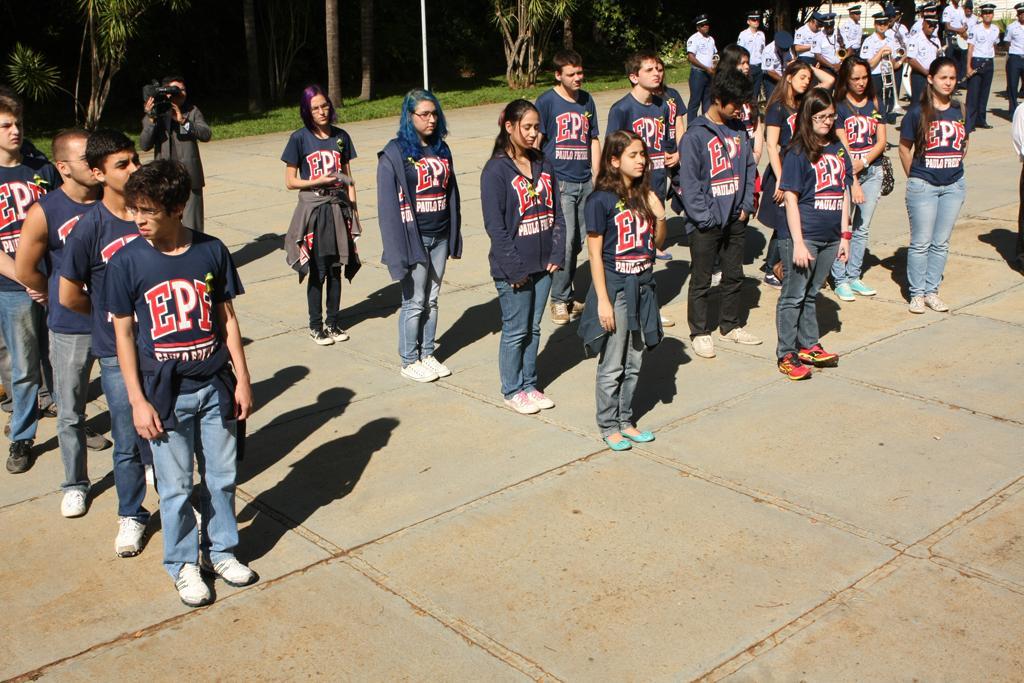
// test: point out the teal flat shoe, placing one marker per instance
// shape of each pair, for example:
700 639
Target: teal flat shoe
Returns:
642 437
623 445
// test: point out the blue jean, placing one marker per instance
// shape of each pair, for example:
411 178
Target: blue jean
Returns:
417 320
129 472
618 370
521 313
1014 72
201 433
700 94
573 197
933 210
71 367
871 184
796 314
22 321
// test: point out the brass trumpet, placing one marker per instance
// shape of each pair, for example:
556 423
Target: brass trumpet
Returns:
841 53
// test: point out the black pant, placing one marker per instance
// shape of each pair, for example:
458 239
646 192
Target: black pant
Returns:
1014 72
977 93
757 77
700 94
918 84
315 293
727 243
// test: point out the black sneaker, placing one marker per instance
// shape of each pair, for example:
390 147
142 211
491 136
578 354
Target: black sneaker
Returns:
320 336
20 459
336 333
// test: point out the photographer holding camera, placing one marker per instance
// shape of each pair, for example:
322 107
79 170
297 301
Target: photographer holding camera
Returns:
174 129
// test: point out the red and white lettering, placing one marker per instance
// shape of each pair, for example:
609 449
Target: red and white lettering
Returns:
652 131
571 126
719 158
431 172
107 252
530 196
186 296
946 134
634 232
323 162
15 199
860 130
64 230
829 172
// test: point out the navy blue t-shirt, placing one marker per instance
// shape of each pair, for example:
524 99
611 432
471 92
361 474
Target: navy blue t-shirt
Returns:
173 297
785 119
20 187
62 215
628 246
315 157
673 100
568 129
98 235
820 188
429 178
943 159
861 127
650 122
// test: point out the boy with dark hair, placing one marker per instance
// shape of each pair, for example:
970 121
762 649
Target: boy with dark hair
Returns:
717 178
194 386
44 234
571 141
99 233
23 180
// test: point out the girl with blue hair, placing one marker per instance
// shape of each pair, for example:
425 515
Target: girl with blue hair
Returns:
420 226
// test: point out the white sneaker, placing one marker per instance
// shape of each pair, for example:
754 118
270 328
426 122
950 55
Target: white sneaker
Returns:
716 278
667 322
192 590
540 400
740 336
916 304
73 503
704 346
522 404
418 372
231 571
933 302
439 368
150 476
129 537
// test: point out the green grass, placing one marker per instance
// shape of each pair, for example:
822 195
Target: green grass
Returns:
228 122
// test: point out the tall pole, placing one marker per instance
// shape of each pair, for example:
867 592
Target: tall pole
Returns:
423 26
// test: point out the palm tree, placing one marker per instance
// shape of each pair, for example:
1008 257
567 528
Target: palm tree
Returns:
333 53
251 54
366 41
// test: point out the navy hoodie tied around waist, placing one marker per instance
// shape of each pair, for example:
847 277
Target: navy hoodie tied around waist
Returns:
507 197
402 246
703 209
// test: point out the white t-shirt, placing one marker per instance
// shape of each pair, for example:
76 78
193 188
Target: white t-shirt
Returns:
920 48
753 41
872 44
984 40
1015 37
852 34
954 16
770 59
702 47
804 36
916 28
825 45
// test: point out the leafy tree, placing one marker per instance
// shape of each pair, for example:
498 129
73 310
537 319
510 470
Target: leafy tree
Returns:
286 26
526 27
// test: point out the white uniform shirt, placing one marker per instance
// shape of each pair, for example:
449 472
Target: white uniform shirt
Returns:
971 21
852 34
1018 132
984 41
770 60
872 44
1015 37
916 28
954 16
892 41
825 45
804 36
702 47
753 41
920 48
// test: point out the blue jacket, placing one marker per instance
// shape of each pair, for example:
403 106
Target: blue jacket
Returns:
699 156
402 246
523 218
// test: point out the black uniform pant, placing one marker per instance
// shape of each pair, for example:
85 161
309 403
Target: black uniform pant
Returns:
918 84
977 93
1014 73
700 94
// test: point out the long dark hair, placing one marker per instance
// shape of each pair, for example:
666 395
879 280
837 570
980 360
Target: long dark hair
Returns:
609 178
730 56
513 113
782 90
846 73
805 139
928 106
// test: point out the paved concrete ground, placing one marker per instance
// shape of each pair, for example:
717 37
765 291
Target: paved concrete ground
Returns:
865 525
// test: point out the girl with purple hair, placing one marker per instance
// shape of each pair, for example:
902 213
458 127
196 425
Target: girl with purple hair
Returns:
321 236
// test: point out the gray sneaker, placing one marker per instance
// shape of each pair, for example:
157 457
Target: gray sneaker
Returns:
935 303
916 304
95 441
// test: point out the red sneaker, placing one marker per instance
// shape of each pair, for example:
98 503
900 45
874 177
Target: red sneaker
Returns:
819 357
791 367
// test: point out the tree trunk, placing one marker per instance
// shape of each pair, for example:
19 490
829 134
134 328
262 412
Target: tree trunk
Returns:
567 41
783 16
333 53
366 39
251 53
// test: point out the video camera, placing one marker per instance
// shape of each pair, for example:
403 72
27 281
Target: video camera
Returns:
161 95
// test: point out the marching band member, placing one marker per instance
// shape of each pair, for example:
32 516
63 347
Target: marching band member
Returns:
850 31
753 41
897 36
825 50
1015 59
873 50
933 142
922 49
700 51
804 37
981 52
776 57
954 23
921 11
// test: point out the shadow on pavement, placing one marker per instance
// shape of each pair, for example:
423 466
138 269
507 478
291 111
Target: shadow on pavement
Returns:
657 383
379 304
1005 243
328 473
897 267
475 323
257 249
